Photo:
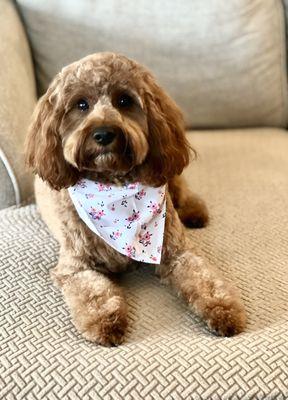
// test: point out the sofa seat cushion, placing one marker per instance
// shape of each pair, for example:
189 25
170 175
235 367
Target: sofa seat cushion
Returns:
167 354
224 62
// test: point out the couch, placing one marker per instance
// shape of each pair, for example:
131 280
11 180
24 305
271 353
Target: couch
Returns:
224 62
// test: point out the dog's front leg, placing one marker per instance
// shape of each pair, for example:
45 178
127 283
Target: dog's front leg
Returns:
97 304
207 293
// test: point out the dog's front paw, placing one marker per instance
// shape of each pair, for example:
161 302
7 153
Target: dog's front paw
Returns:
98 307
226 319
105 325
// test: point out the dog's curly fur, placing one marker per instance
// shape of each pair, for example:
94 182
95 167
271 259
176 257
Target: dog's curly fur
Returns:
150 147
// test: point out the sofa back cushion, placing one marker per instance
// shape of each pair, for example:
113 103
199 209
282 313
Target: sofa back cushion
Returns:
222 61
18 98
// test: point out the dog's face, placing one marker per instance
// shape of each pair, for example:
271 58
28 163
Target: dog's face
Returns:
105 116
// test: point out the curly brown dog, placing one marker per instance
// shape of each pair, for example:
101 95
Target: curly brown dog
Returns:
148 145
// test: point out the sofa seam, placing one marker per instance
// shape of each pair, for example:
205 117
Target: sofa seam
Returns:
280 9
12 177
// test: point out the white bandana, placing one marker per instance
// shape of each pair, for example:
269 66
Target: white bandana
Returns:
130 218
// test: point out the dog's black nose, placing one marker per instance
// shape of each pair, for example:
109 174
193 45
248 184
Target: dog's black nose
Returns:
104 135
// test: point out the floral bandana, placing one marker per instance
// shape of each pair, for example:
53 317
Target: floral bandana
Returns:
130 218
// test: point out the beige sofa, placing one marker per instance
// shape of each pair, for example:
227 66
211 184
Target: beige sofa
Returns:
225 64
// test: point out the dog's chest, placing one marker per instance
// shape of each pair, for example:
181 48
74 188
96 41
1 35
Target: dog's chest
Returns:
107 258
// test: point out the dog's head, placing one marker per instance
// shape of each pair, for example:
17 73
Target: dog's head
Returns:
106 116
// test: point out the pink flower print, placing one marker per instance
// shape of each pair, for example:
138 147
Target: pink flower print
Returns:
130 250
115 235
81 183
145 238
103 187
144 227
156 224
96 214
135 216
113 207
153 258
155 208
89 195
140 195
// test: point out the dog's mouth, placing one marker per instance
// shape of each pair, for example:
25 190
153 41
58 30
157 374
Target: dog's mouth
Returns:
118 159
105 150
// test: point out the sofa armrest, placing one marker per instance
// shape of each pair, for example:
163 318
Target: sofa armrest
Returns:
17 100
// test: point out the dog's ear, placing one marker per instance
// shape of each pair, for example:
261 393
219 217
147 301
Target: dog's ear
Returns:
169 150
43 143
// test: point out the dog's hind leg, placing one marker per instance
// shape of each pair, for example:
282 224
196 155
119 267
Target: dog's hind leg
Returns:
190 207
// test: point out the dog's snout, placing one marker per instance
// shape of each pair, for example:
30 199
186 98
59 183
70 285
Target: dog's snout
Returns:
104 135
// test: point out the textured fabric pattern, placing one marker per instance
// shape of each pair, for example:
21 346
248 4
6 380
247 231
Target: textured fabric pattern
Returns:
17 93
167 353
222 61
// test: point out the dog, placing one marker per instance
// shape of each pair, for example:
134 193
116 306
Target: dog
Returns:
105 118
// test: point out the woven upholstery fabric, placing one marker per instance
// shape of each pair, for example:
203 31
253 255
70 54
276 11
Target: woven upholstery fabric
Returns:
167 354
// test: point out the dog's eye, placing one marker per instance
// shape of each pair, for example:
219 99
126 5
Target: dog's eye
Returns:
82 105
124 101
